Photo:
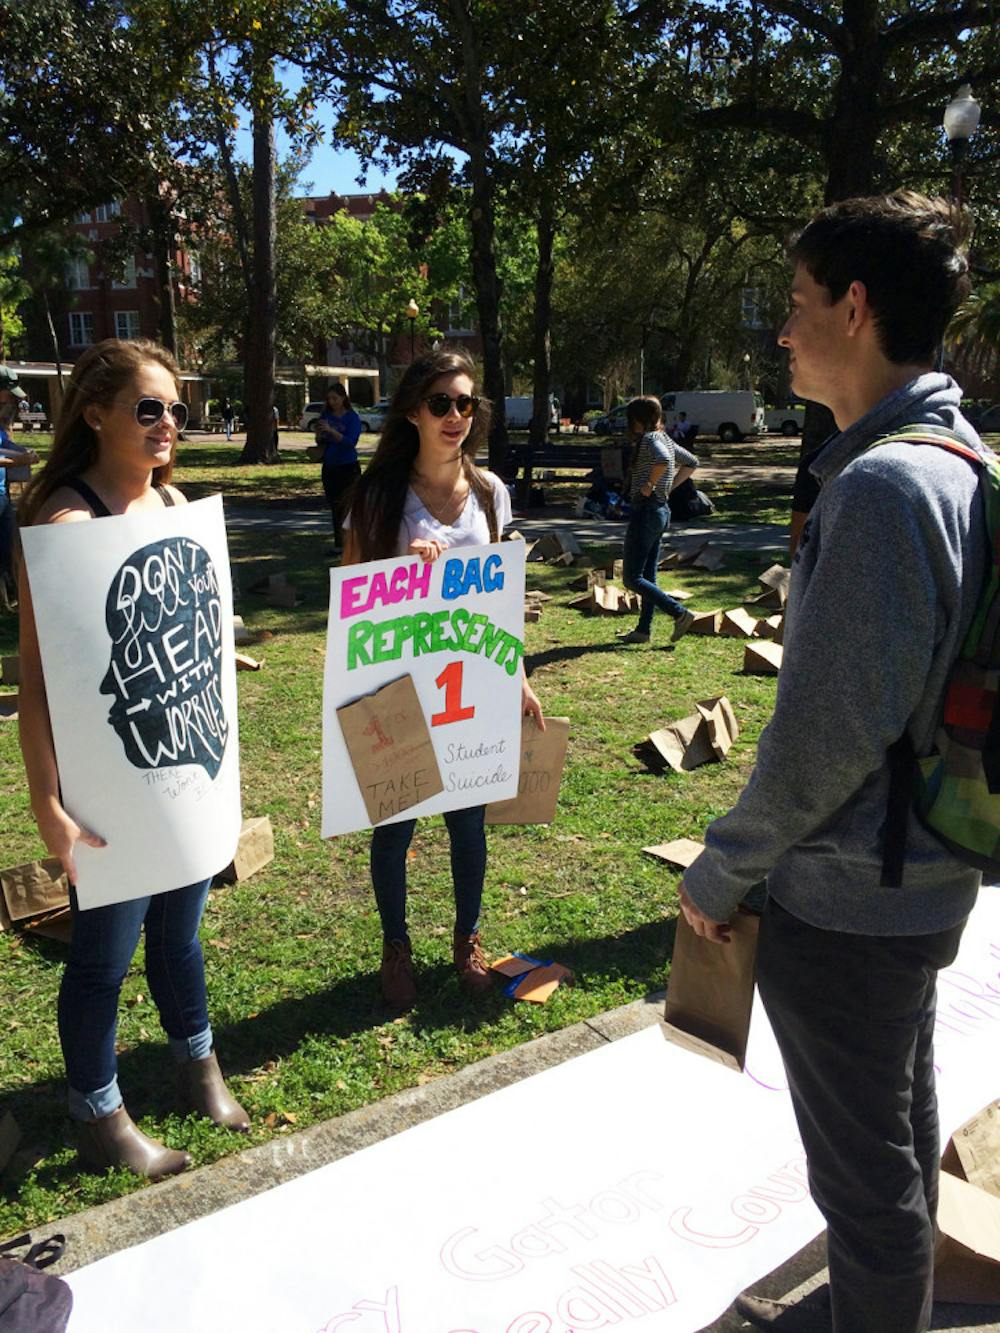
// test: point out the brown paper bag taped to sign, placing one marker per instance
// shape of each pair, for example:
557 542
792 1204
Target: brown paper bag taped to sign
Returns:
710 992
36 888
543 754
387 737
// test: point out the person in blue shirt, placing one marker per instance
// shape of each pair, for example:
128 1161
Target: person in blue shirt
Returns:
337 433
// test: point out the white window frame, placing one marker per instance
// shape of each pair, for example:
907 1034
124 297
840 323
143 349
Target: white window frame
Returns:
458 306
107 212
81 328
77 274
133 328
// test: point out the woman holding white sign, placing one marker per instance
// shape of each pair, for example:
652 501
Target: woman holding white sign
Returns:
113 453
422 494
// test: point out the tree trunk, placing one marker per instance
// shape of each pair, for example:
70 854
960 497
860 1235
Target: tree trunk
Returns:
163 247
57 358
258 359
482 224
545 228
849 148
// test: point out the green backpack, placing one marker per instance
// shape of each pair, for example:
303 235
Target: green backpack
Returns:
956 790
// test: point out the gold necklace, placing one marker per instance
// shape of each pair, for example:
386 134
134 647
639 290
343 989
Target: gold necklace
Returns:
438 511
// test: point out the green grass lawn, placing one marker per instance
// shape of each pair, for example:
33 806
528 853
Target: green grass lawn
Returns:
292 953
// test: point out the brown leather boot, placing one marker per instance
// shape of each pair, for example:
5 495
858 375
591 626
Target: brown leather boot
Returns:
399 990
115 1140
472 969
201 1088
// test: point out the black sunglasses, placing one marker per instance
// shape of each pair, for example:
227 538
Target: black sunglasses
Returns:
439 404
150 411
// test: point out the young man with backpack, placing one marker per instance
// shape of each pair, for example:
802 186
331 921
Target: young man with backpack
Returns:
865 903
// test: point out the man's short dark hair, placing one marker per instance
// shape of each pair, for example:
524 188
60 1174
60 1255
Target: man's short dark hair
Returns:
907 250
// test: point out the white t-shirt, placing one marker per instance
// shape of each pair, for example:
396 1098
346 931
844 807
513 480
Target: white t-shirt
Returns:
471 527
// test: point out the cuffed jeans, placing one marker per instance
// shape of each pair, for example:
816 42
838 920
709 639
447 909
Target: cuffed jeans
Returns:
104 942
390 843
853 1016
649 521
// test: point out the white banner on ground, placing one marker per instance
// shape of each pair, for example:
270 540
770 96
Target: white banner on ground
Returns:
636 1180
456 627
134 616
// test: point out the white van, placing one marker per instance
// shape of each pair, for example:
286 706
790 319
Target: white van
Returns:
730 414
519 411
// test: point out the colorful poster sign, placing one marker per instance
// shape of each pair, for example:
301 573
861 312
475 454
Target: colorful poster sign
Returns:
134 616
455 628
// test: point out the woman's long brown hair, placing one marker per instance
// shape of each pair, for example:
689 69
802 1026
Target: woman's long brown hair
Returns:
380 494
98 377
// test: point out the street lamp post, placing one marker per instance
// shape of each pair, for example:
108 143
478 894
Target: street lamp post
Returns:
412 311
746 367
961 120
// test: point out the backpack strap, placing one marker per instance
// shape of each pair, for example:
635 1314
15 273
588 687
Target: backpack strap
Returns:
901 755
164 494
89 496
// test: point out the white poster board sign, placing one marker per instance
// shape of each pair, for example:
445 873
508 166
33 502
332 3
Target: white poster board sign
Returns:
134 616
637 1187
456 627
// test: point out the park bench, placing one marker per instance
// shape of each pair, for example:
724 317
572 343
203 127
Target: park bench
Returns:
552 457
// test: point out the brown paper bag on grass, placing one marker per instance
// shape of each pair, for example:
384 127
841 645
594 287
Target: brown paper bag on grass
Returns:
390 745
967 1261
681 853
738 624
681 746
34 889
710 991
720 723
543 755
762 658
706 622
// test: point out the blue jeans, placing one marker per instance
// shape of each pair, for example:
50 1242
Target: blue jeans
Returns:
104 942
650 520
390 842
8 525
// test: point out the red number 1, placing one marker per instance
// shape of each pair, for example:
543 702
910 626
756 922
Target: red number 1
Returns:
450 680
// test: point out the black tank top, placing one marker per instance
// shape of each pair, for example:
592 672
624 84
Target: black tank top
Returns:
90 497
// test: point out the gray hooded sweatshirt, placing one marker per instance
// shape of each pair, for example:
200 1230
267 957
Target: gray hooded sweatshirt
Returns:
883 589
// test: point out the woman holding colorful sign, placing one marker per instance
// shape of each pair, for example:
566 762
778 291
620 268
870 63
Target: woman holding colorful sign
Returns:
113 454
422 494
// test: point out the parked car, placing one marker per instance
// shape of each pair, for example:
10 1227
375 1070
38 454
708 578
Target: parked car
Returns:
519 411
731 414
787 420
611 423
371 417
987 421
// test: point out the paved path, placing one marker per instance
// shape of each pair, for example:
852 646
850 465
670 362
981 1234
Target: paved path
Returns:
592 532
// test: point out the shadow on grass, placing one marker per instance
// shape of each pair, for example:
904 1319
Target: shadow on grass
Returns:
349 1007
570 652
